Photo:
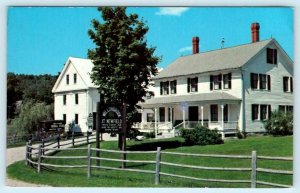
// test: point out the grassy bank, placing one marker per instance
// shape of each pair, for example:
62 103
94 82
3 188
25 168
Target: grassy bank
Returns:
266 145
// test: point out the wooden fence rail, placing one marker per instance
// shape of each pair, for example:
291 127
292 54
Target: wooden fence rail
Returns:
38 157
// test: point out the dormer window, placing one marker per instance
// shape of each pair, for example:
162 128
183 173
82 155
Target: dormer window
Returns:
192 85
271 56
67 79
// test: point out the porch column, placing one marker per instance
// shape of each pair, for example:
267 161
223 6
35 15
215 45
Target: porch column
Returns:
201 115
171 120
155 122
183 117
222 120
142 121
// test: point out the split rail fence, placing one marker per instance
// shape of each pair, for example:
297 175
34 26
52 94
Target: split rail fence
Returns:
35 155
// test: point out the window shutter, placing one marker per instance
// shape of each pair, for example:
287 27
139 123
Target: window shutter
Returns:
211 82
253 112
285 89
252 79
161 88
291 84
260 81
168 88
275 56
175 85
220 81
229 80
188 84
196 82
269 111
269 82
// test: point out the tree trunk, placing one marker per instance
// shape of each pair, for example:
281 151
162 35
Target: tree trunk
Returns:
123 133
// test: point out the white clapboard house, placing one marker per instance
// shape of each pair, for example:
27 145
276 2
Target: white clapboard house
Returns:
75 96
230 89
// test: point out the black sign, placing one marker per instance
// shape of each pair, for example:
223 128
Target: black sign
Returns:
111 120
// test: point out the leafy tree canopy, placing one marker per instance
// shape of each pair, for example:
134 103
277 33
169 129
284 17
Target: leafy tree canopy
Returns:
21 87
123 62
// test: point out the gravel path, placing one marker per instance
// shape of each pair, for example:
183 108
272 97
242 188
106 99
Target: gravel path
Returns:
14 155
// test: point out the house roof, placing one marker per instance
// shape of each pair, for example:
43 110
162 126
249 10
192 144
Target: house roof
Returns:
83 68
226 58
190 98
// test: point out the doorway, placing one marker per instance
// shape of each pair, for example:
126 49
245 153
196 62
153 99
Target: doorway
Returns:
193 113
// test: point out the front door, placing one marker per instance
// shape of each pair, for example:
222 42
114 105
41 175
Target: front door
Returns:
193 113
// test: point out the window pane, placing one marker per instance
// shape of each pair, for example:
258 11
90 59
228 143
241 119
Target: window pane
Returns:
263 81
76 118
263 112
226 81
216 82
67 79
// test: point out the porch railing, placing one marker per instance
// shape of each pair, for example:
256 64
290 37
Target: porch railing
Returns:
230 125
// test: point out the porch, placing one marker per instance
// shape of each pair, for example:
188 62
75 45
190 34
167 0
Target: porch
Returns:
167 118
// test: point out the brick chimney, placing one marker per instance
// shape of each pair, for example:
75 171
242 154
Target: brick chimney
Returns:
255 32
195 45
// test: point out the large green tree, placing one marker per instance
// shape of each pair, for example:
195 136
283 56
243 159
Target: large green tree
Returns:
123 60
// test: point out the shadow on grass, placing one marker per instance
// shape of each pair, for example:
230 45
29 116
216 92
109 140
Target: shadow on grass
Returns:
152 146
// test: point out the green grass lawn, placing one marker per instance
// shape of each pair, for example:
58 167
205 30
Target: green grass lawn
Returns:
264 145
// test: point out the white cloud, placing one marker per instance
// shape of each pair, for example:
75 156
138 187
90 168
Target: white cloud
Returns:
185 49
174 11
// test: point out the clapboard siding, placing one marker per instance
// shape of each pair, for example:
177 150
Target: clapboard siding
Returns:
275 96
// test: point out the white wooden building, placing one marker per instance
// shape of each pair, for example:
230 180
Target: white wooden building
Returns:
228 89
75 96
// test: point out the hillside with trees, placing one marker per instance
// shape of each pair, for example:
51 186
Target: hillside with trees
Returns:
29 100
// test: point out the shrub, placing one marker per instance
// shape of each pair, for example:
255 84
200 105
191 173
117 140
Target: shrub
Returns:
280 124
149 135
201 136
133 133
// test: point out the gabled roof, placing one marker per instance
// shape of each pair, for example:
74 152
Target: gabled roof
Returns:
83 68
226 58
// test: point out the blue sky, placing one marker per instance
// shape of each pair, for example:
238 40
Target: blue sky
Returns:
40 39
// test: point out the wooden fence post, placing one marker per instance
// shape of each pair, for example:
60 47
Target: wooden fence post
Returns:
26 154
39 158
58 139
43 146
157 170
73 139
89 161
30 150
87 137
253 172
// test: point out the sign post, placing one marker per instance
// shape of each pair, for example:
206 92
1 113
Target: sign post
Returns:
98 126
